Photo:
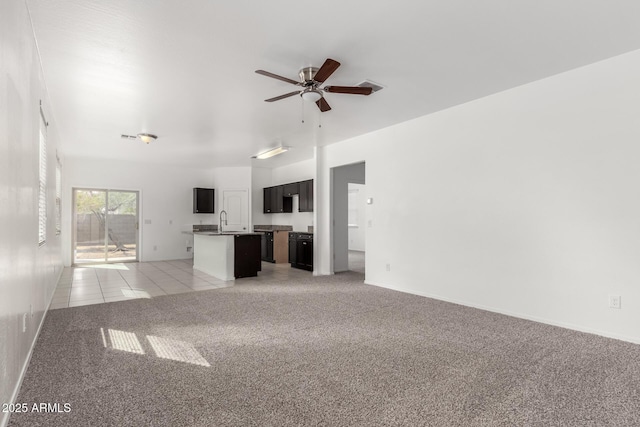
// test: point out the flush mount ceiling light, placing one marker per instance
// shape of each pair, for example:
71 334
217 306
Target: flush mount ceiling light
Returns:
311 95
147 137
271 153
144 137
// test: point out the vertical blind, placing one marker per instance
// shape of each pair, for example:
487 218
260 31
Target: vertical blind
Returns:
58 195
42 193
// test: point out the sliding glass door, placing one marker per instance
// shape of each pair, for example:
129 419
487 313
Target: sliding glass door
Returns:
105 225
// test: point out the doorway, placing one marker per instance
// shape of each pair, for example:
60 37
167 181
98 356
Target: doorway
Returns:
105 225
348 200
355 223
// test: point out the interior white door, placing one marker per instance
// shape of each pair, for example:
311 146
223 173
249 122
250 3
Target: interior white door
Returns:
236 204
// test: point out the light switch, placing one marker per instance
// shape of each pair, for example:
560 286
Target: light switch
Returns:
370 201
147 221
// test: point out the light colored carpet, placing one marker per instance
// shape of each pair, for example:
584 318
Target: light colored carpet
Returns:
327 351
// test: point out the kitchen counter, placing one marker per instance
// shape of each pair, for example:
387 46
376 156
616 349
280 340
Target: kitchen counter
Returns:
226 233
227 256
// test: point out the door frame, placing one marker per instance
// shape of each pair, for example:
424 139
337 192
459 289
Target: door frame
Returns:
74 223
340 177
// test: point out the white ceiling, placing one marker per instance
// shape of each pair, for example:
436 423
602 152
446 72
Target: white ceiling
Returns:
184 69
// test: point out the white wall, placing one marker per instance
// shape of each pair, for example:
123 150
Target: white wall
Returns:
524 202
260 178
357 205
166 199
28 272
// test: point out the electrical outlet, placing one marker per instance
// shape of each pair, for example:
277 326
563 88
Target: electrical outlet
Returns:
24 322
388 267
31 309
155 248
615 301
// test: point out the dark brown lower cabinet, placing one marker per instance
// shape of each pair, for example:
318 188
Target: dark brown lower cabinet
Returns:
246 255
301 250
292 247
267 246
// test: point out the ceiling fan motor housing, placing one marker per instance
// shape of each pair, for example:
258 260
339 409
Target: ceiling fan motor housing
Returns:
307 74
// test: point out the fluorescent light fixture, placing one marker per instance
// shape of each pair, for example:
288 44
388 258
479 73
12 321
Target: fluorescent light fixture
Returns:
272 152
147 137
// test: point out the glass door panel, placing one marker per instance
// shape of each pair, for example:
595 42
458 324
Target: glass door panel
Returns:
122 225
105 225
90 206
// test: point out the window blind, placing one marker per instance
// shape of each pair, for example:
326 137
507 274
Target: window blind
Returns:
42 192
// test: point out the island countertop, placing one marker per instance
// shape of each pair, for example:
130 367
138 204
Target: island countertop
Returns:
226 233
228 255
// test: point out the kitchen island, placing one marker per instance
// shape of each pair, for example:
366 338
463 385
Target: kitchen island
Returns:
227 256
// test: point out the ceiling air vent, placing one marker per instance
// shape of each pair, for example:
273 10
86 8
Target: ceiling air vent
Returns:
374 86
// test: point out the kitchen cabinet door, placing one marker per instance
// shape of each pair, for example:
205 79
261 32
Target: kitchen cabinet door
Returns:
306 196
304 252
292 248
276 199
291 189
279 203
266 247
267 200
203 200
269 246
246 256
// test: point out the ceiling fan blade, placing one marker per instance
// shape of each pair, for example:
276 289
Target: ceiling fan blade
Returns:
275 76
326 70
353 90
278 98
323 105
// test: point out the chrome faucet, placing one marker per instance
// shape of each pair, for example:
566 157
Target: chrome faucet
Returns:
222 221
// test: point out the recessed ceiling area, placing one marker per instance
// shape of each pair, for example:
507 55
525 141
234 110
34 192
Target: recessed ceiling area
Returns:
185 70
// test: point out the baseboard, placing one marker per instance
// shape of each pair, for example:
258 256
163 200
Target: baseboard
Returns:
574 327
14 396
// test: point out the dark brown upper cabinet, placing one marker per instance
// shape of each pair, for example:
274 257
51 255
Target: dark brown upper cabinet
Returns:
267 206
274 200
306 196
291 189
203 200
278 199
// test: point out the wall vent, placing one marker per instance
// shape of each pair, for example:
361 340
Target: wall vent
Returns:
374 86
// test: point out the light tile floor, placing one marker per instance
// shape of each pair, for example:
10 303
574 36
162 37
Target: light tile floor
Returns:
102 283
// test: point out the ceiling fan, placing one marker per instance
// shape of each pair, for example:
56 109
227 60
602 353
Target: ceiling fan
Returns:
311 78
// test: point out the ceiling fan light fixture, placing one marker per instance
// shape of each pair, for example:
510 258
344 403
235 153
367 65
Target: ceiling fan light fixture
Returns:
271 153
147 137
311 95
